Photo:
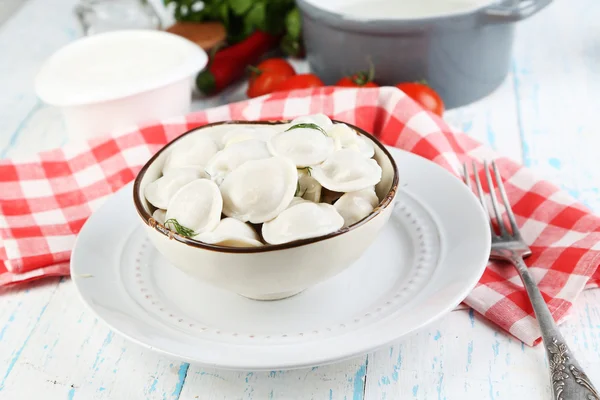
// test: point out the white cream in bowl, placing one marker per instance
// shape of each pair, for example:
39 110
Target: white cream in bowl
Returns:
115 80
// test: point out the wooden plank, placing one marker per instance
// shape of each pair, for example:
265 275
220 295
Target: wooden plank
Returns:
344 380
557 87
69 354
23 50
463 357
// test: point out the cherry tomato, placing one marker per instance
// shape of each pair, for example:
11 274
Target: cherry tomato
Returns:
359 79
267 75
277 65
349 81
424 95
300 81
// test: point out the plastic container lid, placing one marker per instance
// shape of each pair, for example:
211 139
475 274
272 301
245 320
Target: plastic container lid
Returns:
116 64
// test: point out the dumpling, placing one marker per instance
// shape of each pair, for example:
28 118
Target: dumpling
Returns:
258 190
347 171
191 152
242 133
347 138
233 233
354 206
159 192
302 221
235 155
193 169
308 187
304 146
160 216
195 208
321 120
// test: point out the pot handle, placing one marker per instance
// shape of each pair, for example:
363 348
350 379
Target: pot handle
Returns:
513 10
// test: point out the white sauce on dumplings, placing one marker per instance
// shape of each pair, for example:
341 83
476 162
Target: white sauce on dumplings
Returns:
321 120
354 206
304 146
302 221
308 187
196 206
160 192
347 171
259 190
233 233
194 151
235 155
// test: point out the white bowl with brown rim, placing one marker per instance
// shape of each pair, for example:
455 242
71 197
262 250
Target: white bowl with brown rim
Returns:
268 272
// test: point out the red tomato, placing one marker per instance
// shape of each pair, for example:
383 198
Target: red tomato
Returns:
359 79
277 65
424 95
348 81
301 81
267 75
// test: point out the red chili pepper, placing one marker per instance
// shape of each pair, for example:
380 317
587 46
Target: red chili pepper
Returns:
230 63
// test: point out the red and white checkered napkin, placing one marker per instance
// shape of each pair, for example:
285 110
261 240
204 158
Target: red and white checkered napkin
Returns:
46 198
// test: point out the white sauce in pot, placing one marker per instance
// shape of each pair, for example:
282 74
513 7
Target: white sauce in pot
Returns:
398 9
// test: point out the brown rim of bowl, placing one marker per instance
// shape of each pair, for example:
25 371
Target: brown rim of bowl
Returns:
148 220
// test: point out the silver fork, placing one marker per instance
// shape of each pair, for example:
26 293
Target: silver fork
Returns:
569 382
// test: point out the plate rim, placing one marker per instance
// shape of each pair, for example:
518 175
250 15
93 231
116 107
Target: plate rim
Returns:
360 347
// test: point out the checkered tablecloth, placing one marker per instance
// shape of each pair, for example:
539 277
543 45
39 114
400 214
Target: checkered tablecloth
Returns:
46 198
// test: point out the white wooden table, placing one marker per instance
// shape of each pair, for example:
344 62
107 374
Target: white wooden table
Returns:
546 114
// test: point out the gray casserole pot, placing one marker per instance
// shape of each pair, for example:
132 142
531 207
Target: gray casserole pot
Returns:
463 56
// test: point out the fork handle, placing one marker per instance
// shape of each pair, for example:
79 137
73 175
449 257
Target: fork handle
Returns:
569 382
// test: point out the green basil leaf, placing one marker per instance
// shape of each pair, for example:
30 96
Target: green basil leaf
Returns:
256 18
293 23
307 126
240 7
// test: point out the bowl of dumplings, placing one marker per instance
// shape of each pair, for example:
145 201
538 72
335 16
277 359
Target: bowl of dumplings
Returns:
267 209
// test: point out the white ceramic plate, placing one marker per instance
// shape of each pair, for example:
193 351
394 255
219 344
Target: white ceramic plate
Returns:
424 262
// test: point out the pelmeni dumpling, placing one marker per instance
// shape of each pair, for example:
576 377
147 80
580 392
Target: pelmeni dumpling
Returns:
297 200
196 151
242 133
347 138
302 221
354 206
308 187
304 146
193 169
197 206
321 120
347 171
258 190
235 155
160 216
231 232
159 192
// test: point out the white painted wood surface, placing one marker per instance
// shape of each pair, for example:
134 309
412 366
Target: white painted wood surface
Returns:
545 114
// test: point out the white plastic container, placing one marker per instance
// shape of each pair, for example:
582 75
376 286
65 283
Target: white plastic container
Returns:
112 81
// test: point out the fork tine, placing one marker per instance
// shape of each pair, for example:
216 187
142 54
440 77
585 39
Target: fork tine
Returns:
466 176
509 212
490 183
481 196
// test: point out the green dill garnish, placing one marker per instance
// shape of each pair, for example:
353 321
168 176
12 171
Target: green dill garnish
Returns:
180 229
308 126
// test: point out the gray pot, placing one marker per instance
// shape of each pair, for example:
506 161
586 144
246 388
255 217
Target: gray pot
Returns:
462 56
